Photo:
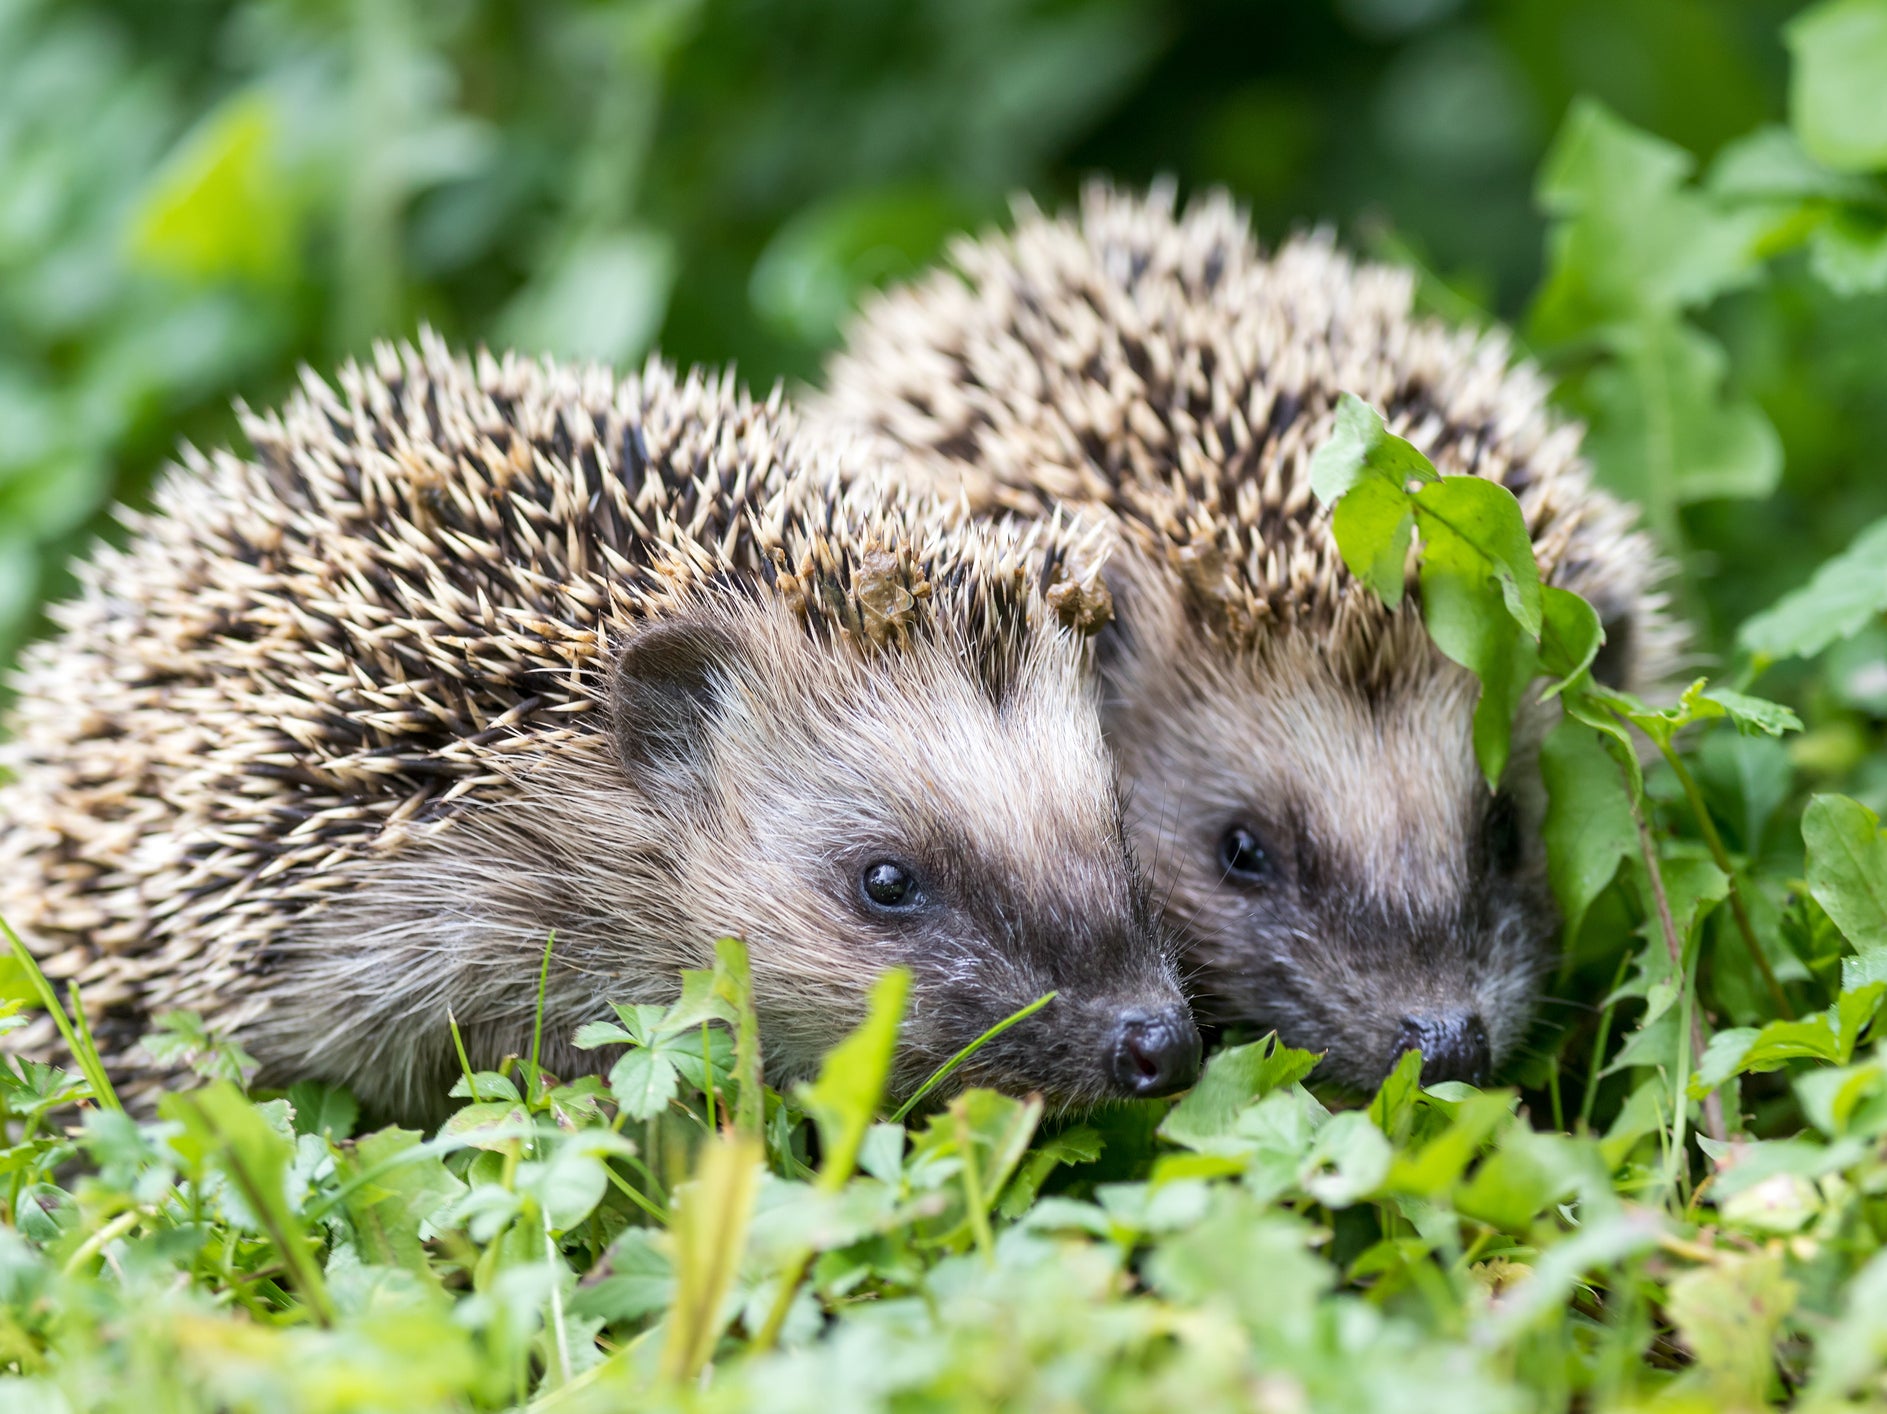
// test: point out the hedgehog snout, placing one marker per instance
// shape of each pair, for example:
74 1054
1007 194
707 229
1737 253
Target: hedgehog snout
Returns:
1155 1053
1453 1044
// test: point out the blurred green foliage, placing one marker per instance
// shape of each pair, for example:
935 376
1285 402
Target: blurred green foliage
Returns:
196 195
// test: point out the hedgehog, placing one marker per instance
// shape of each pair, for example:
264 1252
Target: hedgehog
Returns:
1299 757
473 657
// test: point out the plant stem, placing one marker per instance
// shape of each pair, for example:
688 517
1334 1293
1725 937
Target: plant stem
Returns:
973 1183
1713 1107
1595 1070
942 1072
1722 857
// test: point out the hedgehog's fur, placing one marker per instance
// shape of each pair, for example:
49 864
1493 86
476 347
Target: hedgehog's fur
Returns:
1158 365
336 740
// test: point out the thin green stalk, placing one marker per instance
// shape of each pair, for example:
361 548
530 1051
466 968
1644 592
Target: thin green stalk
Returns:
1688 1028
465 1063
537 1022
1722 857
942 1073
1596 1070
973 1184
84 1053
707 1072
637 1196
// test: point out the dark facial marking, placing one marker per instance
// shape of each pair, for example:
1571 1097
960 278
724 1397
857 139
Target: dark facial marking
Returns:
1502 834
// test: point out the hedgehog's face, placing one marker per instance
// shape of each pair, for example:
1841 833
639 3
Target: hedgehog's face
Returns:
1343 872
847 812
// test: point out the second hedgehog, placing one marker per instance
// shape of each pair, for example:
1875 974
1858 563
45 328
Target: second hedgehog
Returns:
465 656
1300 758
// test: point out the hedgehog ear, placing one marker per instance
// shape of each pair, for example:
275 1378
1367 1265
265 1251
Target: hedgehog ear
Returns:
668 686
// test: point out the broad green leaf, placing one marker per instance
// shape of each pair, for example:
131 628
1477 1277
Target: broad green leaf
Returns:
567 1186
1080 1145
1664 429
401 1191
223 203
1481 599
1770 165
1364 471
643 1082
1589 828
602 298
1570 636
1826 1036
1729 1313
1840 53
1393 1108
1374 528
1851 1352
1233 1078
1754 716
1848 253
1845 595
1469 623
323 1109
1847 868
1522 1178
1347 1162
636 1279
1473 527
1629 238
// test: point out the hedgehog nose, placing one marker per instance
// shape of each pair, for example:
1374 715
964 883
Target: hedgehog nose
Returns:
1155 1053
1453 1046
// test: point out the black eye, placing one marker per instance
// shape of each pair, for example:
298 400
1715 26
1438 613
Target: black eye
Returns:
1503 834
887 884
1242 857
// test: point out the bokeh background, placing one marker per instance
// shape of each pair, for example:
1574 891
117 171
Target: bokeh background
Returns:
198 195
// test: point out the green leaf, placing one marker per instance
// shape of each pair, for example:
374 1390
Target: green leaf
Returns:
1629 238
643 1082
1847 868
635 1279
1754 716
1771 165
1521 1179
1664 431
1589 828
1848 254
602 297
1348 1161
844 1099
1364 471
1845 595
323 1109
1234 1078
1570 636
1840 54
401 1191
221 205
1729 1313
222 1127
1473 528
709 1235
